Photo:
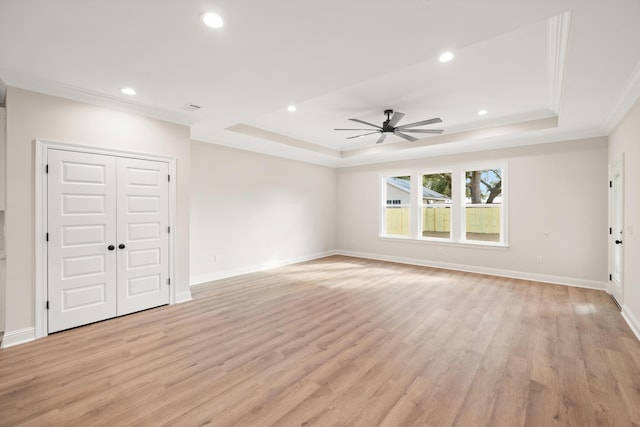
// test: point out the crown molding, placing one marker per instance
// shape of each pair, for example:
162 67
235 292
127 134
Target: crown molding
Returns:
253 144
558 41
476 145
63 90
536 132
628 96
258 132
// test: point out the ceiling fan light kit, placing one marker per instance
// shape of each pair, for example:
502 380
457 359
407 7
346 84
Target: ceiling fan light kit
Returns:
389 127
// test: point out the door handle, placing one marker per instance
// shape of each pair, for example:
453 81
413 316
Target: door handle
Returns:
618 242
121 246
111 247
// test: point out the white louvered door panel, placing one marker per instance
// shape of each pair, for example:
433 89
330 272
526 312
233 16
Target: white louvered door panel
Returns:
81 226
143 237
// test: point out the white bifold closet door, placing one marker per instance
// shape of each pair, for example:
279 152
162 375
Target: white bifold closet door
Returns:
107 225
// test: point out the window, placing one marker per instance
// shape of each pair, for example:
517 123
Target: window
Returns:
458 205
483 205
436 206
397 210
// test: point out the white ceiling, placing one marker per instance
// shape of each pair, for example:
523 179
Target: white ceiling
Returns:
545 70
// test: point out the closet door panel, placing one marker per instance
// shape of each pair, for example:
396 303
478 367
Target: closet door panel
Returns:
143 237
81 224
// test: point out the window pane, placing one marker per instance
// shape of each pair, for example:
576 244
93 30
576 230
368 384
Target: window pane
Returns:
398 205
436 222
483 205
436 205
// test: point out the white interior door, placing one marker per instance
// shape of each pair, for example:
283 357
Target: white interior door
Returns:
81 227
143 235
616 241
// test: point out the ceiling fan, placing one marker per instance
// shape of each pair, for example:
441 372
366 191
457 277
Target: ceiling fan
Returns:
389 126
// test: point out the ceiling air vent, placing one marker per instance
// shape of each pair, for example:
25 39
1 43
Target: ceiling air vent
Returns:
192 107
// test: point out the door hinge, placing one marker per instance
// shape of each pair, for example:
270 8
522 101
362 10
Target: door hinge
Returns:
168 229
169 178
46 237
46 168
609 277
610 184
47 305
169 281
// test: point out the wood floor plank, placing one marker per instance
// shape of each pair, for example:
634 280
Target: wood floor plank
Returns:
339 341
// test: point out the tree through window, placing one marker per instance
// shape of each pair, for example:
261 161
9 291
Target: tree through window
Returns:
483 205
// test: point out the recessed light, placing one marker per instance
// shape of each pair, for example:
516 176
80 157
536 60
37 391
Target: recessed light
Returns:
128 91
212 20
291 108
446 56
482 112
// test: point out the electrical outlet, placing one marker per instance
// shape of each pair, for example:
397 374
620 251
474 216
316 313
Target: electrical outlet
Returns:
539 259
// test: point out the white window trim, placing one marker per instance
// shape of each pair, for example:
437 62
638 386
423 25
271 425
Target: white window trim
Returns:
451 207
458 192
383 204
504 229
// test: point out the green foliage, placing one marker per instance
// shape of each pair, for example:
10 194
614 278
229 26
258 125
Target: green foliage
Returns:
440 182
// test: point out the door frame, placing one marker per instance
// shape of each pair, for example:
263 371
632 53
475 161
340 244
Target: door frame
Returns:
41 209
612 237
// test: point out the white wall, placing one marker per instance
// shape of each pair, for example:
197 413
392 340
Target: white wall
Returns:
559 189
32 115
626 139
250 211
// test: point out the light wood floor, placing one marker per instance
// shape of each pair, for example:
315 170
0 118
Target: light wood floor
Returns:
339 341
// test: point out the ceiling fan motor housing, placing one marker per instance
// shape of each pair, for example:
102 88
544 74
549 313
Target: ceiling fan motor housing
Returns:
385 124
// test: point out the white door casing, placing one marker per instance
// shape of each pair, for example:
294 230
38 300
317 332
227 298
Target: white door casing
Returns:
143 221
616 236
107 224
82 206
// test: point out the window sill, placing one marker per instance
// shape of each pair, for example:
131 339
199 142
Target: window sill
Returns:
442 242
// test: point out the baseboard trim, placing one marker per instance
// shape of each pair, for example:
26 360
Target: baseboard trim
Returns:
558 280
631 320
204 278
19 336
183 297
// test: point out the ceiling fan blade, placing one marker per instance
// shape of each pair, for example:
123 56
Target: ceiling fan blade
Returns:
405 136
365 123
422 123
395 118
423 130
359 136
352 129
381 139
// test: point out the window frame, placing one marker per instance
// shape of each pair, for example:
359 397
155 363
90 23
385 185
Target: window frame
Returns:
420 176
464 206
457 209
383 208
